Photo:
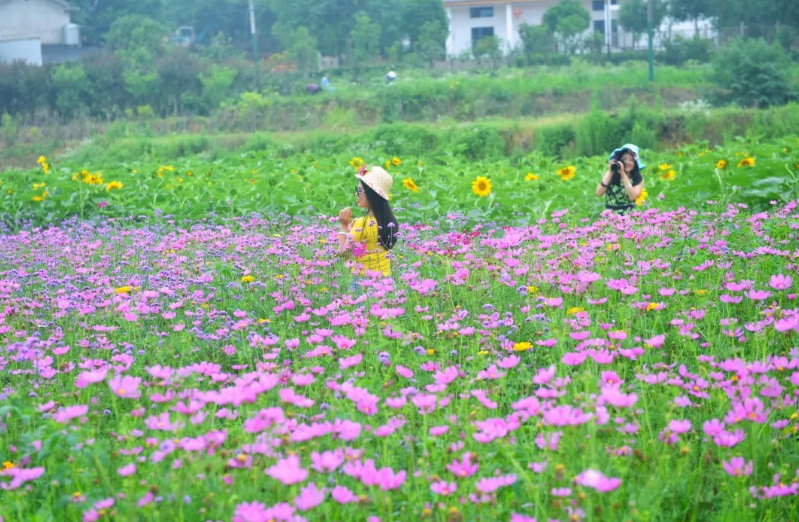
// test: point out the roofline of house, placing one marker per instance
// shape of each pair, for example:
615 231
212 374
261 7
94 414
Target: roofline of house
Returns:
61 3
462 3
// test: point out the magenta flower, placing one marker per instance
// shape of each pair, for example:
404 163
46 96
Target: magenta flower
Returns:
679 426
516 517
126 387
342 495
780 282
288 471
738 467
442 488
328 461
596 480
561 492
463 468
758 295
437 431
128 470
310 497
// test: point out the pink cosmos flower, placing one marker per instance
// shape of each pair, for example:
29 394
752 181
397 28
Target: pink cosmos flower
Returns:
516 517
342 495
126 387
128 470
738 467
328 461
442 488
463 468
310 497
19 476
758 295
70 412
288 471
437 431
596 480
780 282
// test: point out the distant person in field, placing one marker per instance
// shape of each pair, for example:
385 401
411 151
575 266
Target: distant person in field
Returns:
369 238
390 77
312 88
326 82
622 183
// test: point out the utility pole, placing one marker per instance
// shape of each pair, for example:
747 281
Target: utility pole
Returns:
608 26
650 17
254 36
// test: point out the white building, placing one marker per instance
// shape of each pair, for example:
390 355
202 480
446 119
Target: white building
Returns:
471 20
30 29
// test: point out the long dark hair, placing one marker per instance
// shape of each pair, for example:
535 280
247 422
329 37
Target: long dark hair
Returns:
387 225
635 177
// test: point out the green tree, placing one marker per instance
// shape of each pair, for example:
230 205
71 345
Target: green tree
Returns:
569 20
537 39
69 81
431 43
633 17
216 85
97 16
691 10
416 14
303 50
133 32
752 73
365 38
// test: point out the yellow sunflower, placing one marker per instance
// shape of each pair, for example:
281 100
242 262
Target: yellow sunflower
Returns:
567 173
664 167
481 186
409 184
356 162
530 177
747 162
668 175
396 161
113 185
642 198
522 347
721 164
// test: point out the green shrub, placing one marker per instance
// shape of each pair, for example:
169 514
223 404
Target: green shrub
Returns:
752 73
477 142
401 139
553 140
679 50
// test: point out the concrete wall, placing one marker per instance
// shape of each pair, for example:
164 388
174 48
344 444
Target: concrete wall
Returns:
43 19
25 50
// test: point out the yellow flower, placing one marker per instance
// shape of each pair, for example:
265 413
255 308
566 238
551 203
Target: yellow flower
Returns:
532 290
356 162
575 310
113 185
747 162
482 352
668 175
37 186
567 173
42 160
700 292
387 165
530 177
247 279
665 166
122 290
409 184
40 198
652 306
721 164
8 465
481 186
396 161
796 167
522 347
642 198
431 352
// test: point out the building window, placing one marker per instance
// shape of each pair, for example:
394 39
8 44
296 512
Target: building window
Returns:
478 33
599 26
599 5
482 12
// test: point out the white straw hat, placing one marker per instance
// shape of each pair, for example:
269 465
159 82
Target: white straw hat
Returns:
377 179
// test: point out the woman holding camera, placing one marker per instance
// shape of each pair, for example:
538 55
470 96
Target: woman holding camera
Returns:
622 183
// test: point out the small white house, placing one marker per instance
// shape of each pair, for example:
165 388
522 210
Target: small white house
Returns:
30 28
471 20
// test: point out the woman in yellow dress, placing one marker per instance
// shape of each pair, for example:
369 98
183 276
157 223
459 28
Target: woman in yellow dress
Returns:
369 238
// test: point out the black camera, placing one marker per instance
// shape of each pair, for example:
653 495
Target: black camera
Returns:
615 167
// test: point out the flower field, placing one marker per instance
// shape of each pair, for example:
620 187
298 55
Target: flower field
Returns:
521 189
616 368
